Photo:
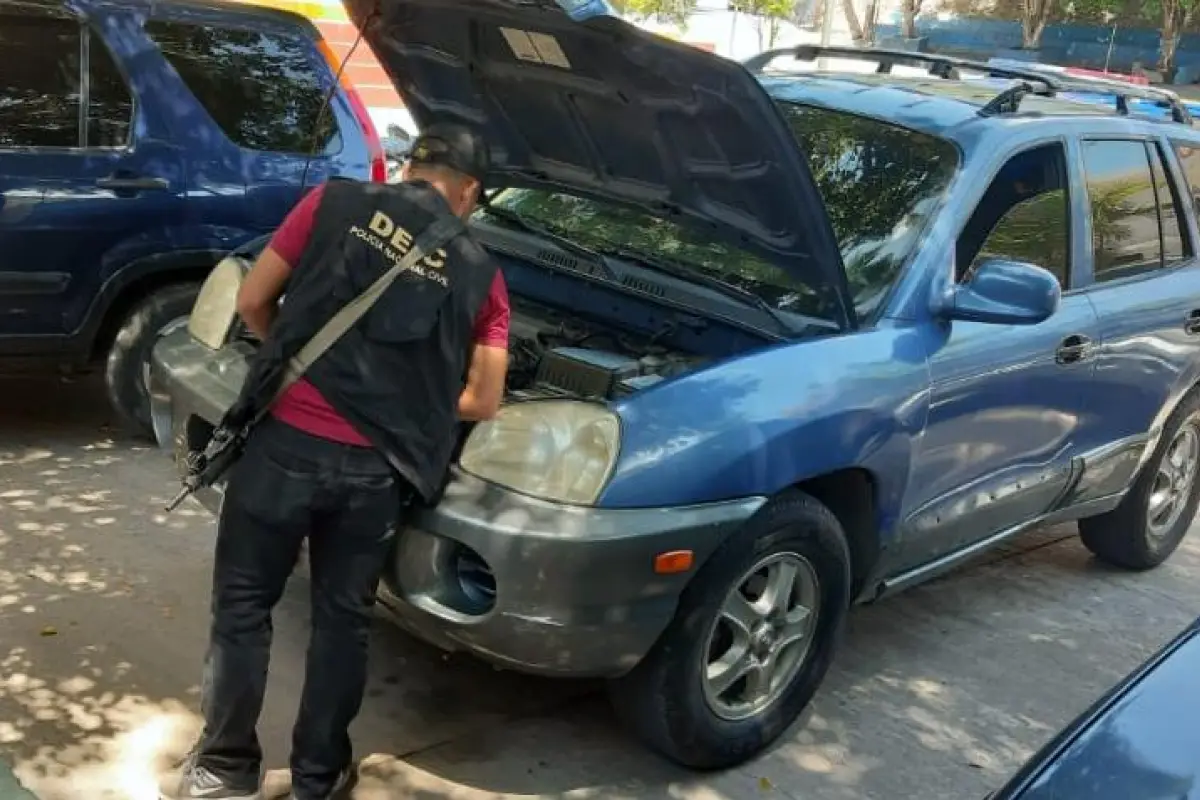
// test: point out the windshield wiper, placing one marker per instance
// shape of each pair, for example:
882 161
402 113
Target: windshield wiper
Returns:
678 269
689 272
560 241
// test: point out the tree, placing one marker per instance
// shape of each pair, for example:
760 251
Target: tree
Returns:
1175 16
862 32
676 11
909 9
769 16
1034 16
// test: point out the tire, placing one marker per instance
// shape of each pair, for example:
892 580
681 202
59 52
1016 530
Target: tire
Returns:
1126 537
666 700
129 353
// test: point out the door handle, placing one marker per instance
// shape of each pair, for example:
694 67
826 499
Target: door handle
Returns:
129 183
1192 326
1074 348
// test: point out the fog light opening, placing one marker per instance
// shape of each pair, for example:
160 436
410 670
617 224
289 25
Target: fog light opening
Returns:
476 582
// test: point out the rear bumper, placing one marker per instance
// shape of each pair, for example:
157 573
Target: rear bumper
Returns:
527 584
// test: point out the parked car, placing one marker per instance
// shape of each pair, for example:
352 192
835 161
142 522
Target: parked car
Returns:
139 143
1141 740
780 344
396 147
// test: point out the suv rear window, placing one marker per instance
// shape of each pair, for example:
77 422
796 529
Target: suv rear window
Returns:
39 82
265 91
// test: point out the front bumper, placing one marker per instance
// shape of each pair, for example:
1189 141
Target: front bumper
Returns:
527 584
542 587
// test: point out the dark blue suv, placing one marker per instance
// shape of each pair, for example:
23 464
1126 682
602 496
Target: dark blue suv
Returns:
139 143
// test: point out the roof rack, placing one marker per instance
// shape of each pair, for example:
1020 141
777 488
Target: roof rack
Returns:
1036 81
1122 90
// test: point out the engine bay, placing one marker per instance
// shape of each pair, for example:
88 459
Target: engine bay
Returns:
551 355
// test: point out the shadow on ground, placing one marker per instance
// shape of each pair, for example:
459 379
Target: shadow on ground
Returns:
103 611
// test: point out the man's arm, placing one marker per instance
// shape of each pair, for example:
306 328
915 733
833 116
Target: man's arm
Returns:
258 298
489 360
481 398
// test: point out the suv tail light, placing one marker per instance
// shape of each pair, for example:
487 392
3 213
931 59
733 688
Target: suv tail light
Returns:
374 145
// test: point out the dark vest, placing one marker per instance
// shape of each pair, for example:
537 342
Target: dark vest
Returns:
396 376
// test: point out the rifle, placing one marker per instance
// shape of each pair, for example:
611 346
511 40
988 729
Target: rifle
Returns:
205 467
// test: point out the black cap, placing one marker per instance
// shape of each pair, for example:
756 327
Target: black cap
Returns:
455 146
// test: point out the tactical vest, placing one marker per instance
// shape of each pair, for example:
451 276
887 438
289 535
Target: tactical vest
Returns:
396 376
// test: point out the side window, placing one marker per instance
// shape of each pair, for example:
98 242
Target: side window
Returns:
1023 216
264 91
1175 245
39 81
1125 232
110 105
1189 162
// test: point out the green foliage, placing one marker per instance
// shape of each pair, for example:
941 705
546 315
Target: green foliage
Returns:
777 9
676 11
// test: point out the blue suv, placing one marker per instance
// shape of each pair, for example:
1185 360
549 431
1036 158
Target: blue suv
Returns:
782 341
139 143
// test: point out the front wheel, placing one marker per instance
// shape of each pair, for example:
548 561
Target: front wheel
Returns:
1152 520
752 639
128 360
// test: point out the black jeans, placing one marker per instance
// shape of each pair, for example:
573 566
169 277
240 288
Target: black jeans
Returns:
348 503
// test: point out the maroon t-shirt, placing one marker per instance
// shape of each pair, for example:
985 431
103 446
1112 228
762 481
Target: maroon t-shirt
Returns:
302 406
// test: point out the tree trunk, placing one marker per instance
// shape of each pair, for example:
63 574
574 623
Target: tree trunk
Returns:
856 31
870 18
908 18
1034 15
1175 19
773 26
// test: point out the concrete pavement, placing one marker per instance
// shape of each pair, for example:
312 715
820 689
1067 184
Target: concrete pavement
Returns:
939 693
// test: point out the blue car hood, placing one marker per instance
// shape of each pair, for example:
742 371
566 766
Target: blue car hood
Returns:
605 109
1142 740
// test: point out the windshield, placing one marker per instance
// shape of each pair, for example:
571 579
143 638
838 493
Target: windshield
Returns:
879 181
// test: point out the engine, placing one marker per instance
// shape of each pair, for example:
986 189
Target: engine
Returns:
550 358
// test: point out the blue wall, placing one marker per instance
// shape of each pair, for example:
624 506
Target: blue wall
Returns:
1069 45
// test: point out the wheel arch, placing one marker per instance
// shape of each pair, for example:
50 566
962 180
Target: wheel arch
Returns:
852 495
134 283
1187 387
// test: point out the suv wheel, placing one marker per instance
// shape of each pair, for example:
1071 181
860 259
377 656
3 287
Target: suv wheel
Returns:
752 639
1152 520
129 355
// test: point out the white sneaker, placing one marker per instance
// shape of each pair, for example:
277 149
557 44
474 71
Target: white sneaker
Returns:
199 783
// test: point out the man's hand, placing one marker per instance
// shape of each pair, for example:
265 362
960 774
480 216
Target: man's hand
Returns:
258 298
481 398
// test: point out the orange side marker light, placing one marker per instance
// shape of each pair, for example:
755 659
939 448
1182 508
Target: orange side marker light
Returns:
674 562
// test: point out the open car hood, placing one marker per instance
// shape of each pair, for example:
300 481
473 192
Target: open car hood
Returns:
610 111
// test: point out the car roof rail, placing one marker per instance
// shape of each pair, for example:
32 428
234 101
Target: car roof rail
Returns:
939 66
1123 91
1033 80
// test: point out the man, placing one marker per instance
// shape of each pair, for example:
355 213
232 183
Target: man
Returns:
347 449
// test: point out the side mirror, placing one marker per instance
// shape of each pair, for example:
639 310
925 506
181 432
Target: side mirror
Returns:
1002 292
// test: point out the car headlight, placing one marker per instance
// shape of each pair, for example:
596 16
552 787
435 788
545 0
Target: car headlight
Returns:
215 309
560 450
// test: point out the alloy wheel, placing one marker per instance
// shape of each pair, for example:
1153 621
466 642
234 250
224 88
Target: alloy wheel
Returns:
1172 487
761 636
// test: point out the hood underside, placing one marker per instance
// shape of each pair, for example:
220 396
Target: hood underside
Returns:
607 110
